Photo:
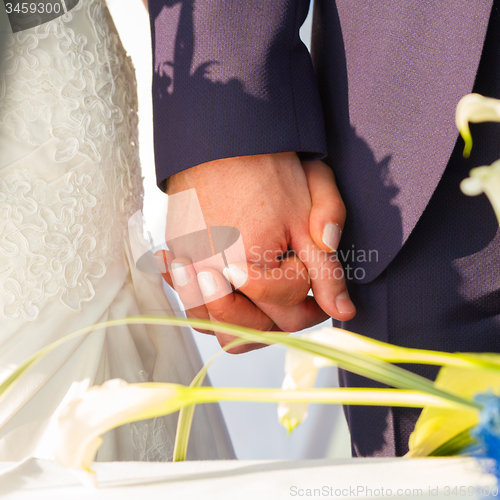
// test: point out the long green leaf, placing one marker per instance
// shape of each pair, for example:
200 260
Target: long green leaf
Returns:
375 369
364 365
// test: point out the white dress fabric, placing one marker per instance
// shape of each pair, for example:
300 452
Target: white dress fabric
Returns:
70 180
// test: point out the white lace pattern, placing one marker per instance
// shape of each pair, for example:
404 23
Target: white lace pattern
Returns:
77 91
150 438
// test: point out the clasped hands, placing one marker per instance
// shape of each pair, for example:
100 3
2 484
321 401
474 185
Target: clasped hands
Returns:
290 216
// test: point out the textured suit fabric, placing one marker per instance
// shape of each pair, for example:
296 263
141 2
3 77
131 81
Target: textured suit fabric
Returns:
390 74
232 78
442 291
235 80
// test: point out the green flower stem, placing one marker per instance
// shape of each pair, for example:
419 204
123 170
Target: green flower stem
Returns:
438 358
186 413
354 362
467 137
396 354
378 370
352 396
357 363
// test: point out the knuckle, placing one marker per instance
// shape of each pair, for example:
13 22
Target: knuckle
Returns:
331 268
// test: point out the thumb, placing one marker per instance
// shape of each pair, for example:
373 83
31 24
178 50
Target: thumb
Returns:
327 217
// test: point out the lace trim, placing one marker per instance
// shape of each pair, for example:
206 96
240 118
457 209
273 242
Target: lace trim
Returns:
150 438
80 90
151 441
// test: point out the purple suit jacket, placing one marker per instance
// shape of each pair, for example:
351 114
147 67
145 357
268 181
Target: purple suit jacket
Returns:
377 100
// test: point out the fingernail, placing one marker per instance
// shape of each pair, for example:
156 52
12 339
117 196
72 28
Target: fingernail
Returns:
180 273
160 263
207 284
331 236
344 304
235 275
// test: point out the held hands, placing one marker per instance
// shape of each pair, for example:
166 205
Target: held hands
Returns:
282 207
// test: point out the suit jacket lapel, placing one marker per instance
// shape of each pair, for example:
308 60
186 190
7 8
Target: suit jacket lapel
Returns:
408 64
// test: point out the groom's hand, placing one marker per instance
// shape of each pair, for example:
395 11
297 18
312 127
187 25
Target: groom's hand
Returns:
278 204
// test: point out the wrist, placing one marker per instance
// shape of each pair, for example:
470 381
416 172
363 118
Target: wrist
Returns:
228 170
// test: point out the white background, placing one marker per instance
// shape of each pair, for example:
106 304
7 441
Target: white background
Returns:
253 427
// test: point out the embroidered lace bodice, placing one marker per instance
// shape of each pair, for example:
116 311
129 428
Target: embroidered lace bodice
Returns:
71 179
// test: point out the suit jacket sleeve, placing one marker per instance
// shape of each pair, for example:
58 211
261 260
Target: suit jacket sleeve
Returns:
231 78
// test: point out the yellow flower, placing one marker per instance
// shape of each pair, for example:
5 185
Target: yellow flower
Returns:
90 412
436 426
485 180
475 108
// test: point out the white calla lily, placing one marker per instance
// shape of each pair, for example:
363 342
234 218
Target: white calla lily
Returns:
301 368
300 373
88 412
91 412
474 108
485 180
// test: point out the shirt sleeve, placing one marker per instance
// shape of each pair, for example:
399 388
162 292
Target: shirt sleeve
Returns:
231 78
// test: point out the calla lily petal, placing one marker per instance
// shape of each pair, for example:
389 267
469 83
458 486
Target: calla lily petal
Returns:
485 180
474 108
301 369
91 412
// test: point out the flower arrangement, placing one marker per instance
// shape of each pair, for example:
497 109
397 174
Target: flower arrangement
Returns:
461 408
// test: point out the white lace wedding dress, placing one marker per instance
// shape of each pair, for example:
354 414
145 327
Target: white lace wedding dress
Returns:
69 181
